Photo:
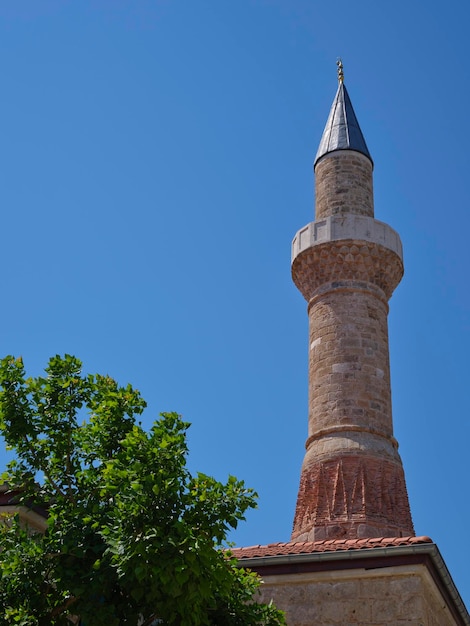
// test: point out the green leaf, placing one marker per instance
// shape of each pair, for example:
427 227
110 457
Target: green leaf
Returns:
130 532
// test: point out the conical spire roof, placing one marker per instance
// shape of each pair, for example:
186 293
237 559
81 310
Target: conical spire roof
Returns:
342 131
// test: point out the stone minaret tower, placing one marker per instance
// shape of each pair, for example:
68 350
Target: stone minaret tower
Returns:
346 265
353 558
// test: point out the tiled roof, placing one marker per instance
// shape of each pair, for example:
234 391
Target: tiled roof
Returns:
331 545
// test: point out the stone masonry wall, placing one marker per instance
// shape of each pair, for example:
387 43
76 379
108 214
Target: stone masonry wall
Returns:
343 185
398 596
349 373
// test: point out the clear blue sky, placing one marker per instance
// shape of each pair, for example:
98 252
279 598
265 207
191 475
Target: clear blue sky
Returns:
155 163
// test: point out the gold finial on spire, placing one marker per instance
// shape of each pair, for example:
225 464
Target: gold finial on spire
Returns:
339 64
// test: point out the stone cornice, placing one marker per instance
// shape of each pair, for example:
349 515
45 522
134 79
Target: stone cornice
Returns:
346 227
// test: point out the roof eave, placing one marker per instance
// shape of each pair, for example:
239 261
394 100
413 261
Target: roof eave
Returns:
430 550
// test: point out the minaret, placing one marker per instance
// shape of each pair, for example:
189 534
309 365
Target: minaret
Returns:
346 265
353 557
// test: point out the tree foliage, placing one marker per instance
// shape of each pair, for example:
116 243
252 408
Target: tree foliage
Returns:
132 537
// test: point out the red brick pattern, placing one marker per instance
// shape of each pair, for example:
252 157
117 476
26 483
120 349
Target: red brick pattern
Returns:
352 497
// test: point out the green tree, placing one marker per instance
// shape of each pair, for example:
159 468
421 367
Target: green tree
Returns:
132 537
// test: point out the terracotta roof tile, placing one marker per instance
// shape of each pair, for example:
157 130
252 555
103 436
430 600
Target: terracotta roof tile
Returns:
330 545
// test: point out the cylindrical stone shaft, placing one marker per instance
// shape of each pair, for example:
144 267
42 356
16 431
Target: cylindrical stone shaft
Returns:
347 264
343 185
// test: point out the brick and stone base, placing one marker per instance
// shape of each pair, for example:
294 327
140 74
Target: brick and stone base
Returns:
352 496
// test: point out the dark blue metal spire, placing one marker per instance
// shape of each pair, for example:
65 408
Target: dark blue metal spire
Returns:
342 131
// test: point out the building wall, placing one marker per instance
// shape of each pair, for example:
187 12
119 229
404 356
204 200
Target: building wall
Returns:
399 595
